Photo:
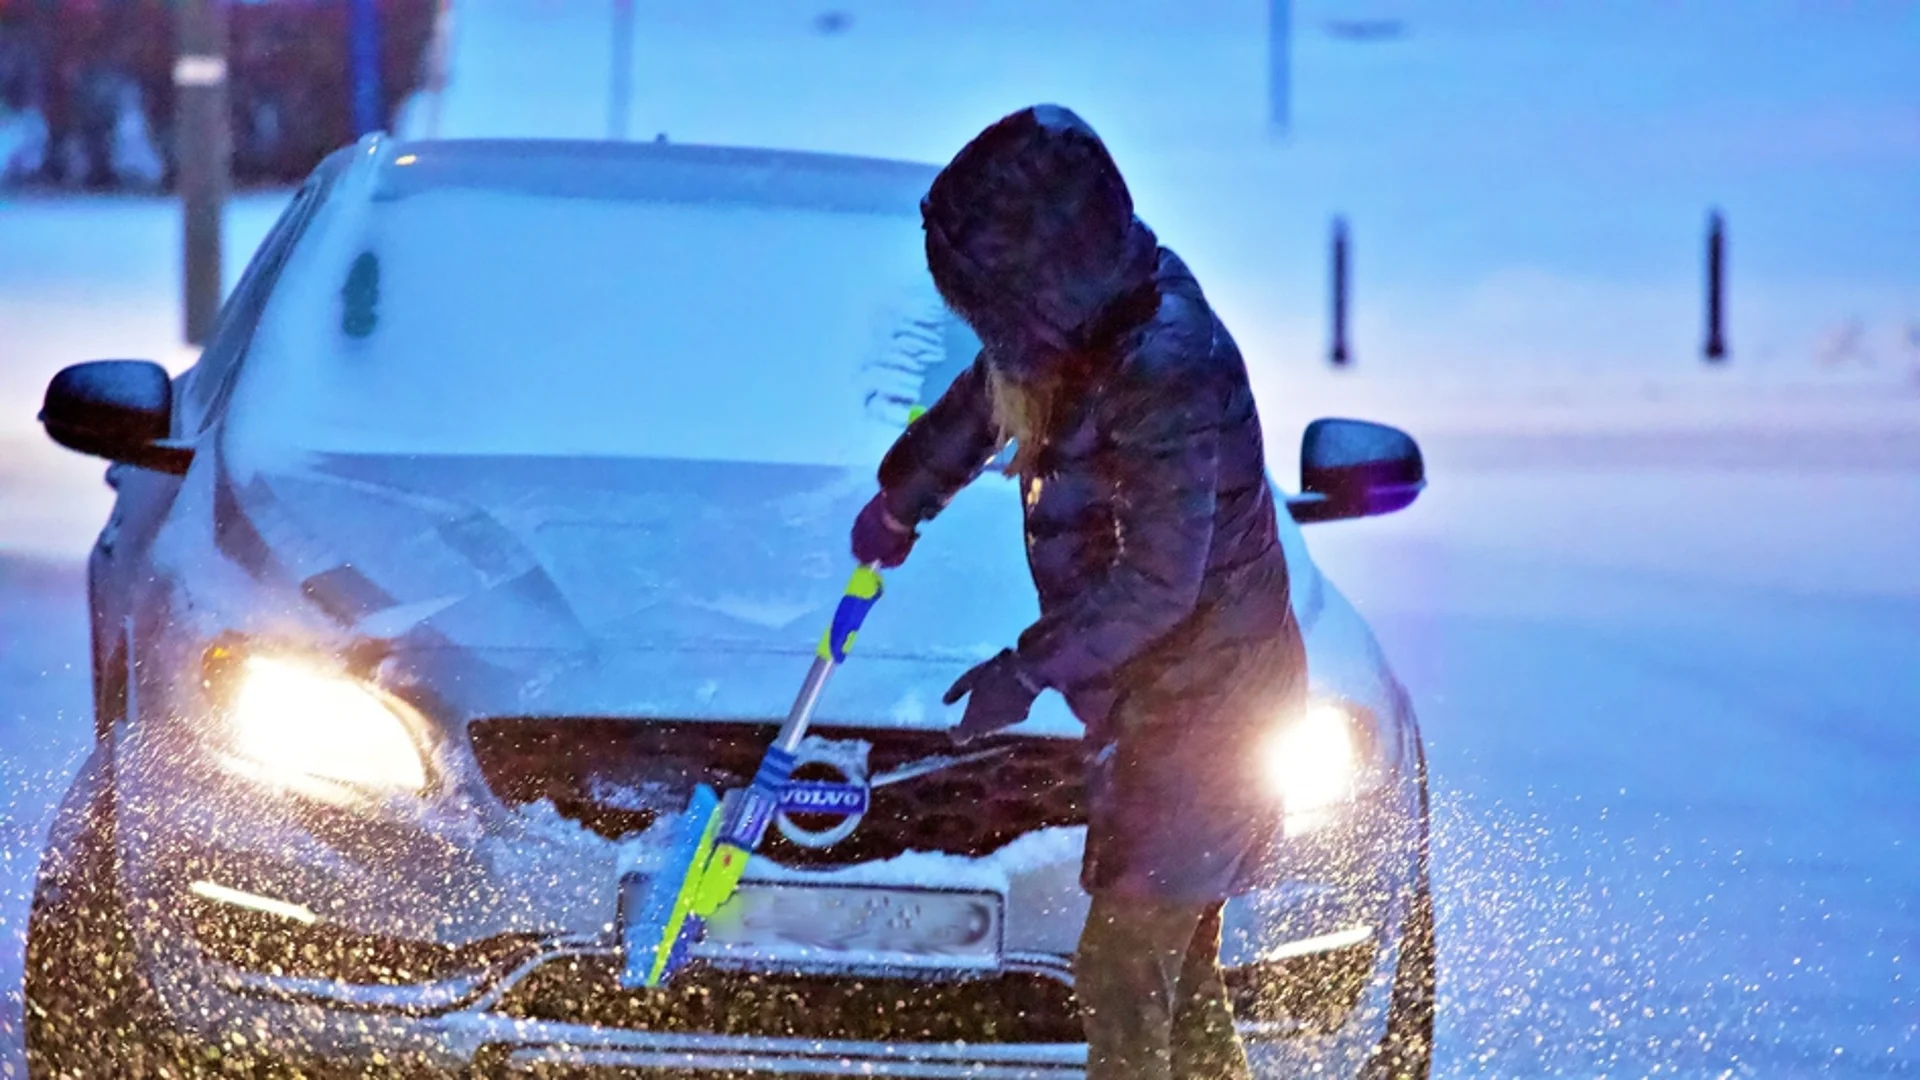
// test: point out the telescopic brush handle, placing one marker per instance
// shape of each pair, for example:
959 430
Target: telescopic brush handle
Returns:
718 836
749 812
862 592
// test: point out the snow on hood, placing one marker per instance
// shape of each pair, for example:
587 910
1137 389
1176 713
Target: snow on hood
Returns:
608 587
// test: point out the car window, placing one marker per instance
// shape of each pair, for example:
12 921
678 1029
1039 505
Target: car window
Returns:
204 386
469 321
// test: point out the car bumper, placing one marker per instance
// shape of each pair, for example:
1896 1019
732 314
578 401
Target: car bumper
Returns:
285 1023
447 950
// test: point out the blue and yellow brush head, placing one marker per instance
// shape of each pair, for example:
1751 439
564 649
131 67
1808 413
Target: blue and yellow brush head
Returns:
658 934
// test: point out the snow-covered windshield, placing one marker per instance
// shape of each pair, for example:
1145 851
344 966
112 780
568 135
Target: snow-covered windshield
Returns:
467 320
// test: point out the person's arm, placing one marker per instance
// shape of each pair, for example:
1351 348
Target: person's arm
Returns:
1163 436
941 452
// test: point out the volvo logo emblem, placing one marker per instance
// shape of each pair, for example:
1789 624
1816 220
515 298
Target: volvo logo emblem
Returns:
832 786
828 794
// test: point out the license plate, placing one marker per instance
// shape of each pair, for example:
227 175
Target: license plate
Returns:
842 926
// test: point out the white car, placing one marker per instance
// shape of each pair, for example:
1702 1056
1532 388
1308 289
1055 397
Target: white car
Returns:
506 504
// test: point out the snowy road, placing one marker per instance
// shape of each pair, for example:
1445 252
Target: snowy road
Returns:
1677 784
1677 789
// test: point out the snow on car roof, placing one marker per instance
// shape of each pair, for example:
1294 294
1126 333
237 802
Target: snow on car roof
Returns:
662 172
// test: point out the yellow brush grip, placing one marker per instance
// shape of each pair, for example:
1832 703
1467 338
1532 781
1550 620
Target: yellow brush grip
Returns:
865 583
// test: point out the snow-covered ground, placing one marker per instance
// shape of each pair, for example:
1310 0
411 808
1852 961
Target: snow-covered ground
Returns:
1660 621
45 726
1670 711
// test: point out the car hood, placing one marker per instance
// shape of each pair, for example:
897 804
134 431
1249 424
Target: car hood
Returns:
613 587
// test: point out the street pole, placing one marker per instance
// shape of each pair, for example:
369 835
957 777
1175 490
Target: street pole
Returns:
204 150
363 32
438 61
1279 64
620 78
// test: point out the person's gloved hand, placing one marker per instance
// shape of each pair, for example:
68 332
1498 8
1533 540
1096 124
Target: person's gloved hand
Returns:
999 693
879 538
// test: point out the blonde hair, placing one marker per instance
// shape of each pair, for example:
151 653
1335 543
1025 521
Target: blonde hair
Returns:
1023 413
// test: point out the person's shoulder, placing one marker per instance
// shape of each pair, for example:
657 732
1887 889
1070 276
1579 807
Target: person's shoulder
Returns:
1178 370
1181 339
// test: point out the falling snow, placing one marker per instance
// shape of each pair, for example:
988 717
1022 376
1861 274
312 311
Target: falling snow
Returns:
1658 622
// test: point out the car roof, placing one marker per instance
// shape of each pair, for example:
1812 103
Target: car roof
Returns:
655 171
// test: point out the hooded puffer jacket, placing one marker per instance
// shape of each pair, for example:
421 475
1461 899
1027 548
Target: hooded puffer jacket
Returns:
1150 525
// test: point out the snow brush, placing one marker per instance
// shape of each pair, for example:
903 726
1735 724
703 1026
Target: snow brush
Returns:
664 915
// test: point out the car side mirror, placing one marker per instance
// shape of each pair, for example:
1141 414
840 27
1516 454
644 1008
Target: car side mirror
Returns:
121 410
1354 468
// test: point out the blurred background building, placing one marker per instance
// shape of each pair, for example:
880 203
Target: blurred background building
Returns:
87 86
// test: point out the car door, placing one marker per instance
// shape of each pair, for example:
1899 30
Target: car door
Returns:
118 566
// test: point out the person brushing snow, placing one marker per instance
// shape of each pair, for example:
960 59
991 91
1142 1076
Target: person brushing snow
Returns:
1152 538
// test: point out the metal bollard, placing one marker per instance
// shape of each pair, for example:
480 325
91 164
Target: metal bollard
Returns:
1340 355
1716 347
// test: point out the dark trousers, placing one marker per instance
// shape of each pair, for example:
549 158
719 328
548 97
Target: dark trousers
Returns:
1152 996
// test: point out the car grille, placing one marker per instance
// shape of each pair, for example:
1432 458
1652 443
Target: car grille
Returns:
616 776
1006 1008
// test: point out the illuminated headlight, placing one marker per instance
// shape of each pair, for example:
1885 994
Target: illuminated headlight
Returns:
293 721
1316 765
